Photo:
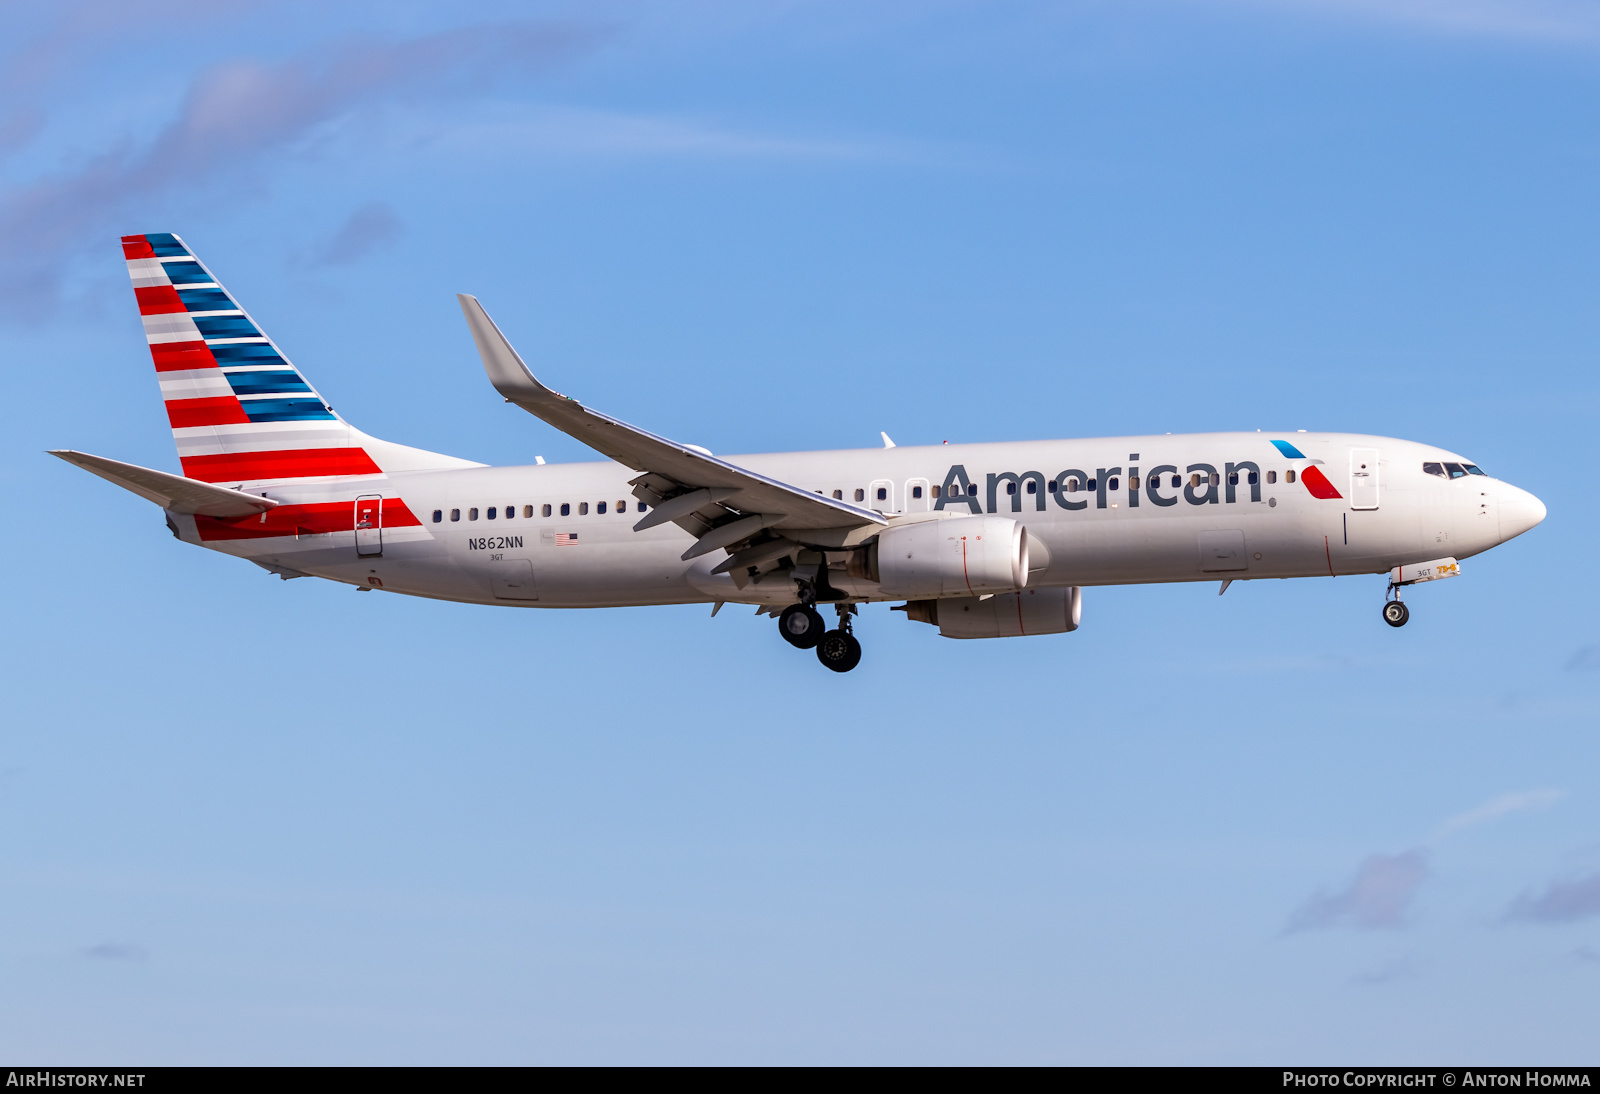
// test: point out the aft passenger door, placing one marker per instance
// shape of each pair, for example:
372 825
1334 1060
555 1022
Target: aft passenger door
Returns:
1363 478
369 525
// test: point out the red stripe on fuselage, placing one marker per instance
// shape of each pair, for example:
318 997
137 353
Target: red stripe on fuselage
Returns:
158 300
137 247
221 410
293 463
181 356
302 520
1318 484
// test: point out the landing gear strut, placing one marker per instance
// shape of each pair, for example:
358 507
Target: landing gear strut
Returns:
1395 613
839 649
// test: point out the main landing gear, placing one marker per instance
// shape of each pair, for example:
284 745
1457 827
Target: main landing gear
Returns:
802 627
1395 612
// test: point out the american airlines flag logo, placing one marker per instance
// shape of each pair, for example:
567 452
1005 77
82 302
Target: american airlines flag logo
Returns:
566 539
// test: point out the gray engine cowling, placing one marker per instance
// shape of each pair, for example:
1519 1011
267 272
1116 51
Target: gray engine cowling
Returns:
1005 615
961 555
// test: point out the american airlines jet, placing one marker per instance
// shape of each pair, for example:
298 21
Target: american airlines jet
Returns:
978 540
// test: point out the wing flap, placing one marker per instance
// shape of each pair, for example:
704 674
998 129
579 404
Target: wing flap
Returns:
173 492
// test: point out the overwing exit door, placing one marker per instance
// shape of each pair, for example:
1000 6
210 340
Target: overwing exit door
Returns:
369 525
1363 478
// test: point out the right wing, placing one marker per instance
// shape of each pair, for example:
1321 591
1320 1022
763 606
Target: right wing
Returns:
723 504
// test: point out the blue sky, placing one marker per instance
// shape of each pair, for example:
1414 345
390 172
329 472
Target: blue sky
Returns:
243 820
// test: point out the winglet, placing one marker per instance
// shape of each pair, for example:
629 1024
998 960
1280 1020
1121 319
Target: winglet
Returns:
508 373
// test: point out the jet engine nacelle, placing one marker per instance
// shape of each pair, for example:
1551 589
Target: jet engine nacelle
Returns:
961 556
1006 615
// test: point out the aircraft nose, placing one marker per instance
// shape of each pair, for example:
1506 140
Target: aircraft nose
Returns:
1519 511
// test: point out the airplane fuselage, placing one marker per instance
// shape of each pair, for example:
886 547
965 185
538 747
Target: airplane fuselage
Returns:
1116 510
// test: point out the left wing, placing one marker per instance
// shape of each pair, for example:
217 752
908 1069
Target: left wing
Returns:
723 504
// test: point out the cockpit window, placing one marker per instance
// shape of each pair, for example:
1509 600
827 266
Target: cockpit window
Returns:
1456 470
1474 469
1434 469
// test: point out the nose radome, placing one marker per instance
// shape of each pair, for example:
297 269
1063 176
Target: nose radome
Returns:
1519 511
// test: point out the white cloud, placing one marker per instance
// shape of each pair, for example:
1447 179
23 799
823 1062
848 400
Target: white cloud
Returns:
575 131
1557 21
1384 885
233 116
1377 897
1494 809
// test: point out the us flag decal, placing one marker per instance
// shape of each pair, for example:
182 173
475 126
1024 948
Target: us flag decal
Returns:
566 539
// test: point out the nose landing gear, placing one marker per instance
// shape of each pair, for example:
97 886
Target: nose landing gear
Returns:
1395 612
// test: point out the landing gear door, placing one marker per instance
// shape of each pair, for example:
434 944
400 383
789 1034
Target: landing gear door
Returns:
1363 478
369 525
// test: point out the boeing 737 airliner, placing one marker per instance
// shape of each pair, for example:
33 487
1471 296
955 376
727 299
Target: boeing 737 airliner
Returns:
979 540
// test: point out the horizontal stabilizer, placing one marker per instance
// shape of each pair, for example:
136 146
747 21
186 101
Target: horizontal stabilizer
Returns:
173 492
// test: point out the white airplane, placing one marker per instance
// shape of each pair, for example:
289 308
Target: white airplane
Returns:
979 540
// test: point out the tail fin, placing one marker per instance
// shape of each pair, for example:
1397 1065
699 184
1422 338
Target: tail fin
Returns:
240 412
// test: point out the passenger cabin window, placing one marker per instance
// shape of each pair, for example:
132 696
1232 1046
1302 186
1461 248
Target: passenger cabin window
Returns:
916 492
1093 484
1072 485
1272 477
1133 482
1176 482
1033 486
883 494
455 514
1456 470
1255 479
527 510
472 514
642 507
1288 476
1233 478
511 511
490 514
599 507
1011 488
1194 480
438 515
838 495
1216 478
622 507
861 495
566 509
583 508
544 510
937 490
1434 469
1111 483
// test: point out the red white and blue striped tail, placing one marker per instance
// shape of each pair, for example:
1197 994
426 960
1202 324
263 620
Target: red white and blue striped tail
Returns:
240 412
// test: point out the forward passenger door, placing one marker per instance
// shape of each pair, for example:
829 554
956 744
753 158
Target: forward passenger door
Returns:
1363 478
